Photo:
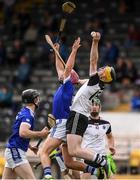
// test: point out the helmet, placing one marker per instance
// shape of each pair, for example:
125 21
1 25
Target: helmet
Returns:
96 101
29 95
110 74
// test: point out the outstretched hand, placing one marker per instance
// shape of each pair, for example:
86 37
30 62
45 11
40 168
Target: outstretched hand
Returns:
57 46
95 35
76 44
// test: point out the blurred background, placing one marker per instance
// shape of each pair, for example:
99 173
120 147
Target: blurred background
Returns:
26 61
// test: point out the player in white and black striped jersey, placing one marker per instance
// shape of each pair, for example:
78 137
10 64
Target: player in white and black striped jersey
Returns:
80 109
97 130
95 137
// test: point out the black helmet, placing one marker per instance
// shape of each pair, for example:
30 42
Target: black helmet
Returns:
29 95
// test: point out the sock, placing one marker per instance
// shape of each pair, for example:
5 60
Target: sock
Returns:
60 161
47 172
99 159
91 170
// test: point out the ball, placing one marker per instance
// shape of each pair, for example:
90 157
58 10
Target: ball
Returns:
93 33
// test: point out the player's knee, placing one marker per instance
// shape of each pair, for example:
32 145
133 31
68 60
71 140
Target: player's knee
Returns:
44 151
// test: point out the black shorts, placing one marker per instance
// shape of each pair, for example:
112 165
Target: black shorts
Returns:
76 124
92 163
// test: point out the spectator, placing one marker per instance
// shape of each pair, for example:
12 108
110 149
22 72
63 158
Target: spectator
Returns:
31 35
48 22
131 71
135 101
23 73
17 51
6 95
25 20
97 24
110 53
8 8
2 53
15 30
133 36
120 69
126 6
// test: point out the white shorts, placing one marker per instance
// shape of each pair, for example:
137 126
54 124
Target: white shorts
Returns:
15 157
59 130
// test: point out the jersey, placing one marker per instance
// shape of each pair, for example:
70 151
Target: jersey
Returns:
63 99
15 141
95 135
83 99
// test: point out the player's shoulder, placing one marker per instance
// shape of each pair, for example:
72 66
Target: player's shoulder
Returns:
26 113
102 121
94 80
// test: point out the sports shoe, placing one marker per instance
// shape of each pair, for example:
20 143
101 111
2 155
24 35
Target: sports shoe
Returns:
107 168
100 174
112 164
48 178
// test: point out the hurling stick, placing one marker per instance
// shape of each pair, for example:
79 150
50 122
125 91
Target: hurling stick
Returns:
61 28
49 41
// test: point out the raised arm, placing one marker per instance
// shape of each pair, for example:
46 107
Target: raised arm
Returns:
71 60
58 64
94 52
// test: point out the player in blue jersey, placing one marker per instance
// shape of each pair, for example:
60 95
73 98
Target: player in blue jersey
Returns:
61 107
18 143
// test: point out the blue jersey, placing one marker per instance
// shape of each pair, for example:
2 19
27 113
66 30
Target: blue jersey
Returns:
24 116
62 100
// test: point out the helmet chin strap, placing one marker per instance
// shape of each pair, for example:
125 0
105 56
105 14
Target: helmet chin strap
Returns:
36 106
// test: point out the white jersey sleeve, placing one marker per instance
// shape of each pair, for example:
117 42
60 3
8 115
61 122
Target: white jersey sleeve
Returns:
83 98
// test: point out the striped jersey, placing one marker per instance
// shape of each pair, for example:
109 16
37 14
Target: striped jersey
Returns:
83 99
95 135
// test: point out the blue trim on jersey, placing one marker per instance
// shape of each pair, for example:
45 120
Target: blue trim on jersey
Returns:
62 100
16 155
53 131
15 141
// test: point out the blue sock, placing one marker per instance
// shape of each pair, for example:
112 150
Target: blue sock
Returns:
90 169
47 172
